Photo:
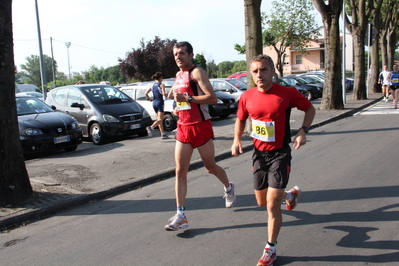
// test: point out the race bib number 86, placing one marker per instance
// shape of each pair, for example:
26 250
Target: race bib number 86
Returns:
263 131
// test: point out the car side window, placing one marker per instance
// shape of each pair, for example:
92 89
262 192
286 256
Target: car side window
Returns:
140 95
74 96
60 96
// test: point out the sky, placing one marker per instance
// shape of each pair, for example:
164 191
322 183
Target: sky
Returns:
101 31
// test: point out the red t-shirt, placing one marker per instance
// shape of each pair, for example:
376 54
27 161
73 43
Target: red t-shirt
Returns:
274 107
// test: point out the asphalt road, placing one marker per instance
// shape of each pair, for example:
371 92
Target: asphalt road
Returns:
347 215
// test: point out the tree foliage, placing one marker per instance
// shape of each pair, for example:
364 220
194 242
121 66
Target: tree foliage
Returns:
200 60
30 73
290 23
143 62
14 181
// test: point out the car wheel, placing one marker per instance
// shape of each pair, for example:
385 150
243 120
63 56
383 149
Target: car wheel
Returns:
97 135
310 96
143 133
212 111
169 123
73 148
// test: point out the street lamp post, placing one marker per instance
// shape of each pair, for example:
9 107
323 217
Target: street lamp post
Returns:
41 60
68 44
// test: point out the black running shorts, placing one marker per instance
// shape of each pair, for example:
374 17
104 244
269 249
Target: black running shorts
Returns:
271 168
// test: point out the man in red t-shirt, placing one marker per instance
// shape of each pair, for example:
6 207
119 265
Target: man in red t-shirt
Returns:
269 107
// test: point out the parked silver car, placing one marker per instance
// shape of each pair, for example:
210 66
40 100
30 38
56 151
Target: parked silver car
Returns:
233 87
101 110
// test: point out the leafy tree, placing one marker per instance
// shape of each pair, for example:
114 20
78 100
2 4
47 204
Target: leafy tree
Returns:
224 68
14 182
376 19
332 93
357 26
31 70
240 48
389 31
239 66
290 24
212 69
143 62
199 59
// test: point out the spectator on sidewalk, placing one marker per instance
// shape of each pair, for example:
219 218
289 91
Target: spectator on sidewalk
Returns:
269 105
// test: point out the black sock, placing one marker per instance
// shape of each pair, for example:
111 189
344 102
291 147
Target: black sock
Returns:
272 244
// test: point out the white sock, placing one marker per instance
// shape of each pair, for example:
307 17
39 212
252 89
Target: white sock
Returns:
228 188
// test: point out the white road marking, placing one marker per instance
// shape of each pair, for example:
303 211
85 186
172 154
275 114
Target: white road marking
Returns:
380 108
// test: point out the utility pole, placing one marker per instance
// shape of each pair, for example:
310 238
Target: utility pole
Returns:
52 59
42 71
68 44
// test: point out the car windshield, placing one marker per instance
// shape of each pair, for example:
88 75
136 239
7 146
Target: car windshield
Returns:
313 79
290 82
302 81
238 84
105 94
31 105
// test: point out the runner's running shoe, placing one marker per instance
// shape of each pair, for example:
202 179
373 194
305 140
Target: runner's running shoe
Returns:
149 131
291 204
164 136
177 222
268 258
230 197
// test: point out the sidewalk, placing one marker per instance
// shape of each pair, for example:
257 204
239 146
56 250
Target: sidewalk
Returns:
70 179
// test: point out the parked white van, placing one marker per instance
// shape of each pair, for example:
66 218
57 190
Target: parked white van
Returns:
137 93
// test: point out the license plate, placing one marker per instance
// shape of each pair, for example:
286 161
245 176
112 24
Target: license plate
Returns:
232 106
62 139
134 126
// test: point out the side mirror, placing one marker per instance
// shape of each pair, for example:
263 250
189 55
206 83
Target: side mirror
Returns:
80 106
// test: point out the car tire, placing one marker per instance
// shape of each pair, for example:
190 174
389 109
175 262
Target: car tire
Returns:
69 149
96 134
169 123
310 96
212 111
143 133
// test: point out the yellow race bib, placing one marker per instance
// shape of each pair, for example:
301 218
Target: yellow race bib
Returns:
264 131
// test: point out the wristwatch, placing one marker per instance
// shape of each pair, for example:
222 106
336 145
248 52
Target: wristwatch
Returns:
306 129
189 99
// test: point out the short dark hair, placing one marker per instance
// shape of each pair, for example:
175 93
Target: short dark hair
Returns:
189 47
260 57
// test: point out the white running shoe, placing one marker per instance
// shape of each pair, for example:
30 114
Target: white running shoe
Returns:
230 197
177 222
149 131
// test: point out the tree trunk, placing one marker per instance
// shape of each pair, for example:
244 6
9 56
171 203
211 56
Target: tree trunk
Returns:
357 27
253 33
14 181
253 40
332 93
359 85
